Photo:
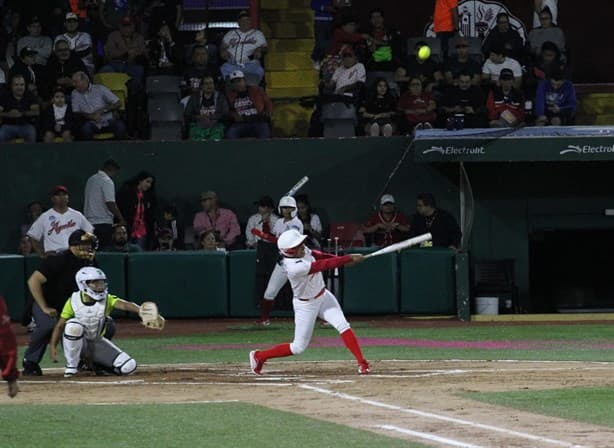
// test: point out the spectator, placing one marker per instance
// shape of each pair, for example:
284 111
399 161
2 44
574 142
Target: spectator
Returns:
426 69
417 107
111 12
445 22
379 112
25 66
119 241
164 54
165 241
346 36
8 351
169 11
25 246
2 81
467 101
34 210
36 41
210 241
125 51
505 37
199 67
540 5
312 226
95 105
62 65
505 103
174 228
137 202
51 231
460 63
57 120
548 60
212 53
349 78
222 220
205 111
555 101
264 221
99 203
436 221
250 109
389 225
547 32
242 50
79 42
384 46
496 62
19 110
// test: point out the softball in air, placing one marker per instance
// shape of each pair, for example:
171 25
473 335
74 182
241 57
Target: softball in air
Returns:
424 52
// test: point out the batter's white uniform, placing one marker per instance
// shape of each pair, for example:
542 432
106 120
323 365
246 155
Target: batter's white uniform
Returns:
310 300
278 277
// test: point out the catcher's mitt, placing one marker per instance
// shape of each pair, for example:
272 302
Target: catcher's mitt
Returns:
150 317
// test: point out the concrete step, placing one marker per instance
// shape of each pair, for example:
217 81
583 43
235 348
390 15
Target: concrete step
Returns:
291 92
295 78
294 45
288 61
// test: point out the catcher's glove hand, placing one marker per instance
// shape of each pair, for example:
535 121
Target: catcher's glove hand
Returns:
148 312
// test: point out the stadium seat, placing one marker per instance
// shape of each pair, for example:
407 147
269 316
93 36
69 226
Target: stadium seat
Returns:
349 233
166 121
163 85
339 120
116 83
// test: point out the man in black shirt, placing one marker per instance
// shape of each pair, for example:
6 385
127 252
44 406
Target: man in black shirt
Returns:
462 63
19 111
467 101
440 223
51 285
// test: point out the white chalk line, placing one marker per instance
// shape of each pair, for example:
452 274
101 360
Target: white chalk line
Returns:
120 403
424 435
154 383
431 415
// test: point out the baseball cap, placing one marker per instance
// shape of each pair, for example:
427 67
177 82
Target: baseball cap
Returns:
387 199
59 189
506 73
76 237
462 42
27 51
126 20
208 195
265 201
71 16
236 75
242 14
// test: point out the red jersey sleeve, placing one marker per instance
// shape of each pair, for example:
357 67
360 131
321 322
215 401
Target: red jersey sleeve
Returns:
329 263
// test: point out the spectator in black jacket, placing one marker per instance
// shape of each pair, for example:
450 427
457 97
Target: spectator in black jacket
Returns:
57 120
504 35
60 68
436 221
466 100
26 66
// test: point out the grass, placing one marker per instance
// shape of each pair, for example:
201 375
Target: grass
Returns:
590 405
185 425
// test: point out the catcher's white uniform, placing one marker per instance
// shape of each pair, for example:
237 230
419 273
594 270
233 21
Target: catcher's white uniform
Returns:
278 276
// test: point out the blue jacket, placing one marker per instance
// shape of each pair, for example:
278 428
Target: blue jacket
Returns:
564 97
318 9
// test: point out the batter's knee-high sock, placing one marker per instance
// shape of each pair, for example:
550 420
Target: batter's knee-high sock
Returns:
350 341
279 351
266 306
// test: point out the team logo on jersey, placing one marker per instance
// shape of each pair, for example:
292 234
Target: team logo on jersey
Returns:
478 17
57 227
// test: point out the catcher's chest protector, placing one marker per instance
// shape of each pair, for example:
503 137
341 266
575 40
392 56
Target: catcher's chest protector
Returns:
91 316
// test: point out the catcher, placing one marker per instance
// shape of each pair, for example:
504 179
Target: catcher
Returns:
82 325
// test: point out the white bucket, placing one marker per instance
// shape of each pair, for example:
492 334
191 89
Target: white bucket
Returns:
487 305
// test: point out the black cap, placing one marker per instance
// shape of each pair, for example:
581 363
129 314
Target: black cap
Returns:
242 14
265 201
79 237
506 73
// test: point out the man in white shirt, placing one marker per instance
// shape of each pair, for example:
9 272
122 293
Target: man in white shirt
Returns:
99 204
50 232
497 62
553 5
242 49
79 42
350 75
264 221
36 41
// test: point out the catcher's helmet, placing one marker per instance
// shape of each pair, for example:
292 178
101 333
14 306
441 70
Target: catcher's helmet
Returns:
287 201
88 274
289 241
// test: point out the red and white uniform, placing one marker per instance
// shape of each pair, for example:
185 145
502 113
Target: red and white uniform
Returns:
53 228
8 345
278 276
311 299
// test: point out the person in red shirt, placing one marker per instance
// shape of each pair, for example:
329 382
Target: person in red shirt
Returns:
445 22
250 109
388 226
417 106
8 350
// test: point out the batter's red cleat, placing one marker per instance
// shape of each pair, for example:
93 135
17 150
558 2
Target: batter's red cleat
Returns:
254 363
363 368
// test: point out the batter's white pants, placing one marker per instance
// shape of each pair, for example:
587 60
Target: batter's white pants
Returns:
325 307
278 279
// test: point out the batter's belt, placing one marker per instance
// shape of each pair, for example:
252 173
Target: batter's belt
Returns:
316 296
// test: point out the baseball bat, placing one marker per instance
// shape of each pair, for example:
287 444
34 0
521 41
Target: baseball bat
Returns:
297 186
401 245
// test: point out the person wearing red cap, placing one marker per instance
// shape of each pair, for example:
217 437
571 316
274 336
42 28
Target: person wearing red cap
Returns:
52 228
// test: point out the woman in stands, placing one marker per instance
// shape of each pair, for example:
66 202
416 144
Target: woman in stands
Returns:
379 112
417 106
137 202
312 226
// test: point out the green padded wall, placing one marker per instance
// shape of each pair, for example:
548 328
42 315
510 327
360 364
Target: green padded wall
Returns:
371 287
183 284
13 283
427 281
114 266
242 270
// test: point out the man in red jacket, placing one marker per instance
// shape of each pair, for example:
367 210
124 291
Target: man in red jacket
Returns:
8 350
250 109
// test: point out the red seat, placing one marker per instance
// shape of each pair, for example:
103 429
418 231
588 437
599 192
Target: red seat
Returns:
349 234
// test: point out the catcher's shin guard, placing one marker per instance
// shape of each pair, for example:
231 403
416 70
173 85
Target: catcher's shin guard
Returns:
73 343
124 364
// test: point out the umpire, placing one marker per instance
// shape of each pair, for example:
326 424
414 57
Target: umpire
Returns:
51 285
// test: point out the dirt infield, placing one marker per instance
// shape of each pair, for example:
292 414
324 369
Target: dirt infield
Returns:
409 400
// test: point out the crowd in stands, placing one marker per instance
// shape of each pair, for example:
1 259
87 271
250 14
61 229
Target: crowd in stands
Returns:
56 70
